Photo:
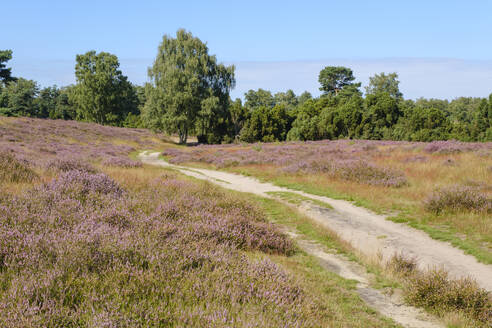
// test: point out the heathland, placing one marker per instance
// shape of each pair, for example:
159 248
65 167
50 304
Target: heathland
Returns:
91 237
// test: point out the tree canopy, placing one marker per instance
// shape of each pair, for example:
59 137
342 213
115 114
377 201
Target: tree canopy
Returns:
102 93
335 78
385 83
188 85
188 94
5 73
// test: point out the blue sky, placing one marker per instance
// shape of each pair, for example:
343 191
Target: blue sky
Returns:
440 49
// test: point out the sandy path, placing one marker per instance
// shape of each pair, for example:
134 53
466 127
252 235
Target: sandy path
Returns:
388 305
369 233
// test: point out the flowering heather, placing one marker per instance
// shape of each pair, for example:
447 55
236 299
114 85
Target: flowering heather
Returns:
43 142
458 198
344 159
71 164
453 146
80 251
121 162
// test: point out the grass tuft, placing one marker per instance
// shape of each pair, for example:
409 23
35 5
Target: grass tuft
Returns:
13 170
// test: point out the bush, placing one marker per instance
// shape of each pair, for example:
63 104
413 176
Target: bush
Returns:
435 291
402 266
458 198
13 170
81 185
72 164
121 162
363 172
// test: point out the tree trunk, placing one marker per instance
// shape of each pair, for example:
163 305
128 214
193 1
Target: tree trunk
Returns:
183 136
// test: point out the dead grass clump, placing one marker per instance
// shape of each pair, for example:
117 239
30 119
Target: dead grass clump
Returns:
14 171
402 266
458 198
435 291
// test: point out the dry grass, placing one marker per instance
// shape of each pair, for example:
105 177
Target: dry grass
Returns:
436 292
426 172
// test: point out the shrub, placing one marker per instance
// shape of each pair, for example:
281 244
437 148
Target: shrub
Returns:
402 265
13 170
121 162
458 198
363 172
172 250
71 164
435 291
81 185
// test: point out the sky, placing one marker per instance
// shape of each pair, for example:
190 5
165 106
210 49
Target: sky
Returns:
440 49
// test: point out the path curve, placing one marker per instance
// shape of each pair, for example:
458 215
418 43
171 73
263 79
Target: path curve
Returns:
369 233
388 305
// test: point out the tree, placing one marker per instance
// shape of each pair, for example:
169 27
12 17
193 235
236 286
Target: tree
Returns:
102 93
482 122
267 124
46 101
385 83
381 113
18 98
5 73
287 98
305 96
64 107
335 78
187 85
239 115
306 124
254 99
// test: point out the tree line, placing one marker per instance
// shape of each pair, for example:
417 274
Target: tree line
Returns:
188 94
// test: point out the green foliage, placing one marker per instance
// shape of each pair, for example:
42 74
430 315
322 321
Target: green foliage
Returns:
188 87
382 112
306 124
239 114
305 96
335 78
381 83
267 124
288 99
260 98
5 73
189 94
102 94
18 98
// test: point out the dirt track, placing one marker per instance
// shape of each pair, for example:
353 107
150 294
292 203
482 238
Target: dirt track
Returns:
369 233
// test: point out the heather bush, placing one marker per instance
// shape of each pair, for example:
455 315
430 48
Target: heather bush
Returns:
13 170
121 162
78 185
458 198
371 174
80 251
452 146
340 158
71 164
52 141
